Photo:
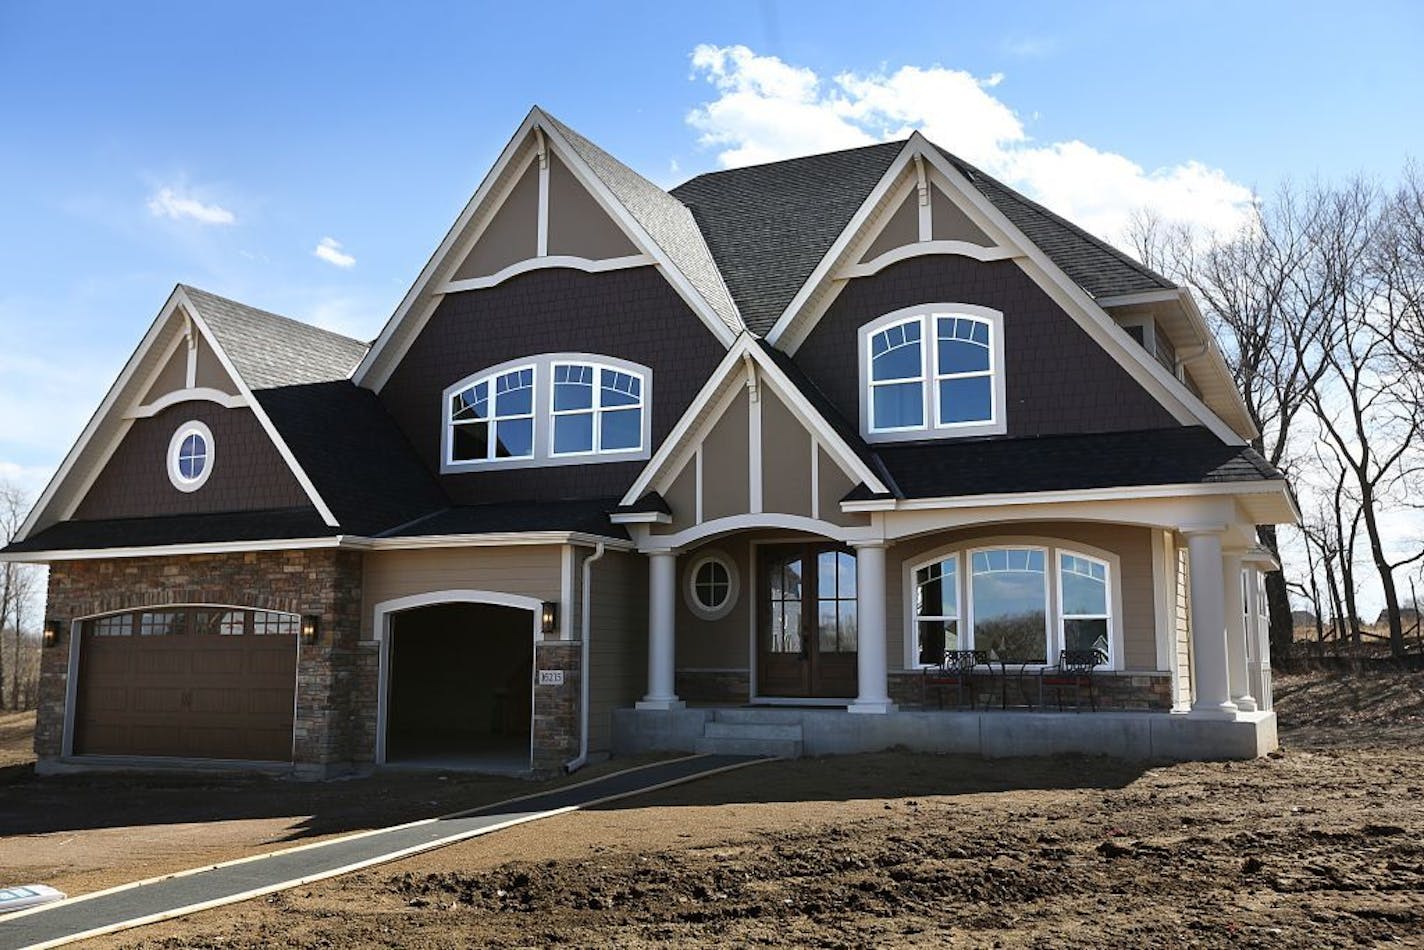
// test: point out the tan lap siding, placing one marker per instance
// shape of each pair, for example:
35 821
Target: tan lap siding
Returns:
1132 545
533 571
618 640
720 644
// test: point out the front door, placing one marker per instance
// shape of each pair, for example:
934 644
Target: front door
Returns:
806 621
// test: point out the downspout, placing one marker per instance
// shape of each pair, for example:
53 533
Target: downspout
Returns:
585 611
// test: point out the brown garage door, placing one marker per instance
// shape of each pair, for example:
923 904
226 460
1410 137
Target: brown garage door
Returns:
201 682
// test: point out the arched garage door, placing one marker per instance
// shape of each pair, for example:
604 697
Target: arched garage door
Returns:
195 682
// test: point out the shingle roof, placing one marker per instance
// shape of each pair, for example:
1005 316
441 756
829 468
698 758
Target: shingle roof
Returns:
276 524
769 225
666 220
269 350
1188 455
354 453
1095 265
589 517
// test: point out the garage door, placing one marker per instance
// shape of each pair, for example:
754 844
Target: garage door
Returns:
200 682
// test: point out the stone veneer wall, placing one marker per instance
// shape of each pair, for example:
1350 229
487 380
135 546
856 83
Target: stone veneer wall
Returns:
556 708
1114 690
336 695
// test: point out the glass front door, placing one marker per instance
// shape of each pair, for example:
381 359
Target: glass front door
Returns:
807 624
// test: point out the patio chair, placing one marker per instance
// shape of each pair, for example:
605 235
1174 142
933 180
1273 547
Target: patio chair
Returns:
955 669
1074 671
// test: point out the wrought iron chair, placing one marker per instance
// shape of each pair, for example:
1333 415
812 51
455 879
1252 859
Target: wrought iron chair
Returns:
1074 671
955 669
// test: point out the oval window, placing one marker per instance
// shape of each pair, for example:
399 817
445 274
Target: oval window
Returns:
190 456
712 585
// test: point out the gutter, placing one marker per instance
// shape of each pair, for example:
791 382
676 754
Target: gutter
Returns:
586 626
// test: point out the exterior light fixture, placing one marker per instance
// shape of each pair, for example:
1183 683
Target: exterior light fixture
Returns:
311 628
548 617
50 637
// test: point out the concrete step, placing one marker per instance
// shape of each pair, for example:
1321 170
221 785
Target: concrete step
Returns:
779 748
753 730
760 715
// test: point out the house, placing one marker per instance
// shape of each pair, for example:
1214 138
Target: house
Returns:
625 460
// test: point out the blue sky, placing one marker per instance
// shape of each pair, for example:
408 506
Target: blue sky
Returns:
142 144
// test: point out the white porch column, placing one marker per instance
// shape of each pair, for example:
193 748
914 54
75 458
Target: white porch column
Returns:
1238 675
873 695
1208 611
662 642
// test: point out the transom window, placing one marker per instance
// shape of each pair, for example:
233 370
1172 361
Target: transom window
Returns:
547 410
1018 603
933 371
195 622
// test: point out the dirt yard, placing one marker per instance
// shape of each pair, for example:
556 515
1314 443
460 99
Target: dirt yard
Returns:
1321 845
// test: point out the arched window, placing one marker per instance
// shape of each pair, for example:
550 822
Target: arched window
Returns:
915 390
552 409
1020 603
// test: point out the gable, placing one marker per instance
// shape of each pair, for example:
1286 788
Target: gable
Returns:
950 223
247 475
754 457
180 369
1058 379
555 201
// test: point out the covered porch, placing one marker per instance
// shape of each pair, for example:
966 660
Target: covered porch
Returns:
1168 589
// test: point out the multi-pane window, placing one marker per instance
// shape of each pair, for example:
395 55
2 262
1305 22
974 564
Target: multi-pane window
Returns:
784 589
548 410
192 456
494 418
937 609
1083 594
596 409
897 377
837 624
1005 601
712 584
195 622
933 373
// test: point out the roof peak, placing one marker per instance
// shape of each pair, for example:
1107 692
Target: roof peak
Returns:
310 327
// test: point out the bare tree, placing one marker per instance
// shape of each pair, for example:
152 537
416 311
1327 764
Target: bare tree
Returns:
20 586
1269 322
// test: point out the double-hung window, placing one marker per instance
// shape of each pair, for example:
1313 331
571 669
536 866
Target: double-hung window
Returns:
553 409
931 372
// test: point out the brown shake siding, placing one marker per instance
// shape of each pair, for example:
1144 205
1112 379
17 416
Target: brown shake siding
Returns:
631 314
1058 379
247 474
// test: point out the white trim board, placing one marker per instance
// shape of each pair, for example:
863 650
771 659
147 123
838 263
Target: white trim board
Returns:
547 262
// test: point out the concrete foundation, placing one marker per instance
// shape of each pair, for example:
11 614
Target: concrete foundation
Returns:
1154 736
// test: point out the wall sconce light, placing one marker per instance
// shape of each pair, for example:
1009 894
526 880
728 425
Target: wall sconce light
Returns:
311 628
50 636
549 617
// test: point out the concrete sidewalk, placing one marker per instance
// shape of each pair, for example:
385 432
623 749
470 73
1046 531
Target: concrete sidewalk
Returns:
132 905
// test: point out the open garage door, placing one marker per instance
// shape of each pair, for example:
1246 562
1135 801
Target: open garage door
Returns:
194 682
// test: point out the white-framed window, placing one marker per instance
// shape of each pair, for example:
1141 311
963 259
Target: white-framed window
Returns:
596 409
932 371
1019 601
551 409
713 583
493 417
191 454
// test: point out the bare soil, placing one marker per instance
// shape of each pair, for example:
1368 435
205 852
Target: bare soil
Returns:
1320 845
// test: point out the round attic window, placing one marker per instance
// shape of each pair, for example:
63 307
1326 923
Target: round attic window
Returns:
190 456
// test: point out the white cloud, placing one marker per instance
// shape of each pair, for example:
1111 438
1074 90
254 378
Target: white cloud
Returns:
168 203
329 250
766 109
